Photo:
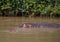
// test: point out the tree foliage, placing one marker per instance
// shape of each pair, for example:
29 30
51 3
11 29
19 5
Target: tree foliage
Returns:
31 7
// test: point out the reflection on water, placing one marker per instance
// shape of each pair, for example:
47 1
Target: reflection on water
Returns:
30 37
7 23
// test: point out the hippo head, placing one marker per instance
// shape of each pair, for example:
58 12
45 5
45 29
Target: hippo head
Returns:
25 25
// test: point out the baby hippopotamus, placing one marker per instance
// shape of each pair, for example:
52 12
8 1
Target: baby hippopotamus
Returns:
39 25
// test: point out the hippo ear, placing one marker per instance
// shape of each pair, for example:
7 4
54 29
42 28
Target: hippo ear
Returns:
24 25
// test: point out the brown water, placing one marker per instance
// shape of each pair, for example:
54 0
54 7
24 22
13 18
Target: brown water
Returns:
35 36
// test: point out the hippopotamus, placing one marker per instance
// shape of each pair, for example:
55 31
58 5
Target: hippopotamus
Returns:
24 26
39 25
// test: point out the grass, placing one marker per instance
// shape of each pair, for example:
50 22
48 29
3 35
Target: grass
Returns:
37 36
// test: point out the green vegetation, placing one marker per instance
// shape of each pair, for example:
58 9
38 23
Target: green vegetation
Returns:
50 8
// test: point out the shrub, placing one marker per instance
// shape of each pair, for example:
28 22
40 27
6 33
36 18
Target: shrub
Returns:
30 7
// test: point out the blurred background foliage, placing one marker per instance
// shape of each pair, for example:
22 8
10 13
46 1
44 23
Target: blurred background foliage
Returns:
30 8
